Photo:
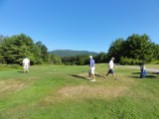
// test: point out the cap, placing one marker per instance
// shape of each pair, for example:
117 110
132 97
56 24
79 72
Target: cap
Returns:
90 57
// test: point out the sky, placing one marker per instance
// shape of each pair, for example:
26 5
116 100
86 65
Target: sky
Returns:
90 25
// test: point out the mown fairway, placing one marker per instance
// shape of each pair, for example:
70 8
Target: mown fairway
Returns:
62 92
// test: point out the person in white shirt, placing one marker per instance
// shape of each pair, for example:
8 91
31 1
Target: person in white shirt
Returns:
111 68
26 65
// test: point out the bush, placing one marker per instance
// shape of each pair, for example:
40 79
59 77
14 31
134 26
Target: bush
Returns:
155 62
8 67
129 61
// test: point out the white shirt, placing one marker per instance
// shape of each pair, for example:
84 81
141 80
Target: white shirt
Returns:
26 61
111 64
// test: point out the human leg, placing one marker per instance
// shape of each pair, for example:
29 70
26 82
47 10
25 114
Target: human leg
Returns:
93 74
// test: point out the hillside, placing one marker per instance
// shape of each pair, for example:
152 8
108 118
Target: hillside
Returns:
63 53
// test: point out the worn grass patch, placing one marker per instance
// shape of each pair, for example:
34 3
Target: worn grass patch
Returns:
10 86
105 89
81 92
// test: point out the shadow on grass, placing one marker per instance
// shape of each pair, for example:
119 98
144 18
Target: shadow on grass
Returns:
149 75
20 71
100 76
136 77
77 76
136 73
157 73
147 72
82 77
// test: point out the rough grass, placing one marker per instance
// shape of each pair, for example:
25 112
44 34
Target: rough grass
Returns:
64 92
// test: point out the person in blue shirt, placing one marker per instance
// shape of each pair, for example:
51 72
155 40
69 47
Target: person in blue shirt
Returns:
143 70
91 72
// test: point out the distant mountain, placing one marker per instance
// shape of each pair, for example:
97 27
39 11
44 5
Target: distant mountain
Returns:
63 53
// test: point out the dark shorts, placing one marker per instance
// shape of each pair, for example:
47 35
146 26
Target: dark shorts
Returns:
110 71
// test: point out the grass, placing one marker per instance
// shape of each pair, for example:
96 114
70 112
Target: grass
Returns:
63 92
9 67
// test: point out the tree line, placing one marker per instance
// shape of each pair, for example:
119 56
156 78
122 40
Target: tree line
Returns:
133 50
13 49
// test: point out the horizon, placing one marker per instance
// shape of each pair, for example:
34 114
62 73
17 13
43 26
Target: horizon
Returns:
73 50
90 25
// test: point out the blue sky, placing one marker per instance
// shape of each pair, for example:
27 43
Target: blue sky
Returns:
79 24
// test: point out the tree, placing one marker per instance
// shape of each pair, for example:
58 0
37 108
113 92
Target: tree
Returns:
54 59
1 38
155 48
82 59
14 49
136 48
139 47
101 58
43 51
116 49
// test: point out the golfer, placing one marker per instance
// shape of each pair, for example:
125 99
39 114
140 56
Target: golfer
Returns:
111 67
26 65
91 72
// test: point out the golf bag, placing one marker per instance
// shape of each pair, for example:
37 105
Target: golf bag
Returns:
142 73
